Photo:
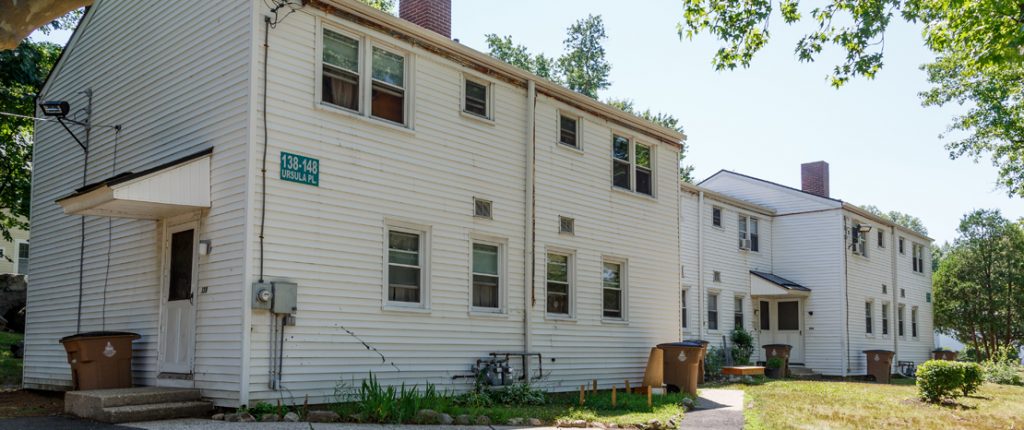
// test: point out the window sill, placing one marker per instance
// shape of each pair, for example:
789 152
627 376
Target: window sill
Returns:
391 307
635 194
479 313
327 107
572 149
475 117
560 318
614 322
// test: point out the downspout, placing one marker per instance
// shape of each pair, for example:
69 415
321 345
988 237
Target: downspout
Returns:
529 224
846 299
679 254
895 306
700 266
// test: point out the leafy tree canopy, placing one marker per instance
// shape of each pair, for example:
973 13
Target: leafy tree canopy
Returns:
906 220
382 5
978 47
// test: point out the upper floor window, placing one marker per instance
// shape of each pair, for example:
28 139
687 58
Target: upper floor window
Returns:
344 78
569 130
901 246
858 241
632 166
340 71
881 239
716 216
388 92
476 98
748 233
917 257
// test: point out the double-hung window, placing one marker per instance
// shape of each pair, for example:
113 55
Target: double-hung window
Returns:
682 309
881 239
22 258
406 261
899 320
343 81
487 276
917 257
868 311
913 321
559 284
748 233
712 311
569 130
859 241
737 319
476 98
632 166
340 85
716 216
614 282
885 318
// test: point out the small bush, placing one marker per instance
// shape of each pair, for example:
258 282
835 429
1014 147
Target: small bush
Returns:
742 347
774 363
713 363
1002 373
938 379
518 395
973 377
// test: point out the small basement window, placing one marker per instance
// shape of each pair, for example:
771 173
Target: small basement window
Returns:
388 89
568 131
476 98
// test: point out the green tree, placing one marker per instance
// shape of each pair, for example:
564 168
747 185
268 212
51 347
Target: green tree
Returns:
979 60
22 73
584 66
382 5
900 218
504 49
979 285
664 120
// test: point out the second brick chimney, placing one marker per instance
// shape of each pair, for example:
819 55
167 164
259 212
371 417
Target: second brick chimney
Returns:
814 178
433 15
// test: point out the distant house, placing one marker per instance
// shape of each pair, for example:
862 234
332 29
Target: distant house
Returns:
433 205
14 253
799 267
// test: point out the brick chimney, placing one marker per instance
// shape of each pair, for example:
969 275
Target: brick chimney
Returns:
433 15
814 178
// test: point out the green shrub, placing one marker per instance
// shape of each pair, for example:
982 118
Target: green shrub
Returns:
973 377
380 404
938 379
774 363
742 347
1002 373
713 363
518 395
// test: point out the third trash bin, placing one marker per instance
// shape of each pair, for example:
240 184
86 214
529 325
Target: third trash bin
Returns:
100 359
880 364
682 361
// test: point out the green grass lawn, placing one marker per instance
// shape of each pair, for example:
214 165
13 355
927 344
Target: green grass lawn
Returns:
630 409
791 404
10 367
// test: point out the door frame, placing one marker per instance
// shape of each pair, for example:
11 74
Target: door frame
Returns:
167 229
772 335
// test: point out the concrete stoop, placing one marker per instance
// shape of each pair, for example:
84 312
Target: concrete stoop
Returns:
136 404
800 372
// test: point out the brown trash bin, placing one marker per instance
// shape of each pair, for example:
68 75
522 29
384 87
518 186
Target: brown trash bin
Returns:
781 351
703 356
100 359
682 360
880 364
942 354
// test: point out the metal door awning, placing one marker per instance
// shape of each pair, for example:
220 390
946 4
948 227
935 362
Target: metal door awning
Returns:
770 284
173 188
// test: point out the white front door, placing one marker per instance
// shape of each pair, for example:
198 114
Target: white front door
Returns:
781 322
177 321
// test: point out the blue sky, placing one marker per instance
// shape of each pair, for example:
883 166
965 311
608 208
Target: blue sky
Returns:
882 145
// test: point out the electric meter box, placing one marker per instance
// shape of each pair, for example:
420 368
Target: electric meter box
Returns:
277 296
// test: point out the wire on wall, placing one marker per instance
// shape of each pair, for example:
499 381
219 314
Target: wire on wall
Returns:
110 237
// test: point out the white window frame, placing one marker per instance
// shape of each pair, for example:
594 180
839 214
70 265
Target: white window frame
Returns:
738 311
633 166
559 113
488 94
913 323
684 315
902 245
880 238
623 287
869 318
900 320
424 231
746 225
366 44
570 277
17 255
502 245
720 214
718 311
917 257
886 307
858 240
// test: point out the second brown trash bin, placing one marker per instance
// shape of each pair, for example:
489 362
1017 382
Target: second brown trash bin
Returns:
682 360
781 351
703 356
100 360
880 364
941 354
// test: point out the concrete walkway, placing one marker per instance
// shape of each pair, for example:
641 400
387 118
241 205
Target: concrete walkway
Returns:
201 424
716 410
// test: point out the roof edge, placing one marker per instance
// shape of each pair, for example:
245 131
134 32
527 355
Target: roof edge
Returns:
686 186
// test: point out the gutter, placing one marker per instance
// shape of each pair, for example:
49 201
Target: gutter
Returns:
529 223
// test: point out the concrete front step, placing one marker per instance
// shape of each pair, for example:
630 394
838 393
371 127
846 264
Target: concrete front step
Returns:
135 404
802 373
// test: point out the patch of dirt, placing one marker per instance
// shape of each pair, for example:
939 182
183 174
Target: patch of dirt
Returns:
30 403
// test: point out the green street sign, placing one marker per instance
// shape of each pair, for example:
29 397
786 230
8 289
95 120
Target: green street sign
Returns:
296 168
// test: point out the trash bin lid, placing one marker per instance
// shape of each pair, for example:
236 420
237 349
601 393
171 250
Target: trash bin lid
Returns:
884 351
697 341
91 334
688 343
777 345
